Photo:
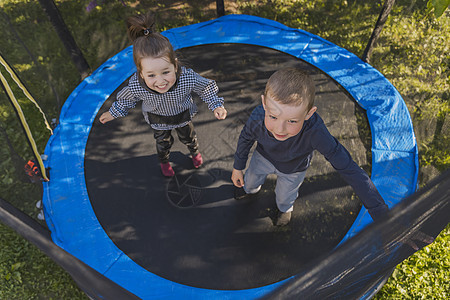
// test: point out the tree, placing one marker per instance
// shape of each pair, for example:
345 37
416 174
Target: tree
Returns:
439 6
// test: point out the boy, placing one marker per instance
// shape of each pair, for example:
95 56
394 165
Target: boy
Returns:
287 129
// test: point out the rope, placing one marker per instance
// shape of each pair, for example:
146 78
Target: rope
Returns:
24 89
24 123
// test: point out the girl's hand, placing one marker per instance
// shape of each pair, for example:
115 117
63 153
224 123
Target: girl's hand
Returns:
220 113
237 176
106 117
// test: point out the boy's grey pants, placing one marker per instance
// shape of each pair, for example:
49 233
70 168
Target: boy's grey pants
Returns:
287 186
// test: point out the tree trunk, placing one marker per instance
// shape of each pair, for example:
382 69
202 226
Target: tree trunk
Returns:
66 37
387 7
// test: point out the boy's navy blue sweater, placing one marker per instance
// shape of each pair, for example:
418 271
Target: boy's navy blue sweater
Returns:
294 155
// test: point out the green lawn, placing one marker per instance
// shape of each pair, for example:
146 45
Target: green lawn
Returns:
413 53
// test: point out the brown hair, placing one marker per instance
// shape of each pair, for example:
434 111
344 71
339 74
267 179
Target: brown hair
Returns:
147 42
291 86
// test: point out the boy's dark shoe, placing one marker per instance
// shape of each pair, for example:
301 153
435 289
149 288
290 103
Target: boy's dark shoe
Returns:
283 218
240 194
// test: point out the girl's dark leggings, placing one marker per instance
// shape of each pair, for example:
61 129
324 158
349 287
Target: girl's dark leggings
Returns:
164 141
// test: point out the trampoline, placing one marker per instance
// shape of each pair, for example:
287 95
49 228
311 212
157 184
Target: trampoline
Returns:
186 237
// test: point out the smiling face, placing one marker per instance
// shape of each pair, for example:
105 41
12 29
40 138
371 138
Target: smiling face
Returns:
284 120
158 73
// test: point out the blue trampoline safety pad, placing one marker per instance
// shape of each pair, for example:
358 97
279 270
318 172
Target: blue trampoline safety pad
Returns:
68 210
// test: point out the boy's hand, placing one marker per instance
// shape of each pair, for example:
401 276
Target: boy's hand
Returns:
106 117
237 176
220 113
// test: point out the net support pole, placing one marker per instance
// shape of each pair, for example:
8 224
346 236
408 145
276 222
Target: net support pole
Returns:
220 8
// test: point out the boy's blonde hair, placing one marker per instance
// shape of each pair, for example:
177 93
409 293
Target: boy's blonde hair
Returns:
291 86
147 42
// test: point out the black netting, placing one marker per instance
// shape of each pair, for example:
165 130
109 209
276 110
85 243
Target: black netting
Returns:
353 269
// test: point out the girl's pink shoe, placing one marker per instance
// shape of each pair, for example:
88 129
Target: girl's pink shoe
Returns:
197 160
167 170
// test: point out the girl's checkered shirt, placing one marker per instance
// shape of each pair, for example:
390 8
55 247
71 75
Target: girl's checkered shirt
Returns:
173 102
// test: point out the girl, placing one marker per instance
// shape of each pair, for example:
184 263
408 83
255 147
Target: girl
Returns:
164 87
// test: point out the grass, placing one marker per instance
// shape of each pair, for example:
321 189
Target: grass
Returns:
413 53
27 273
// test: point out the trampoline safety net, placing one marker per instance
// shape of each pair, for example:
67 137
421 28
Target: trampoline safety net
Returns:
355 269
